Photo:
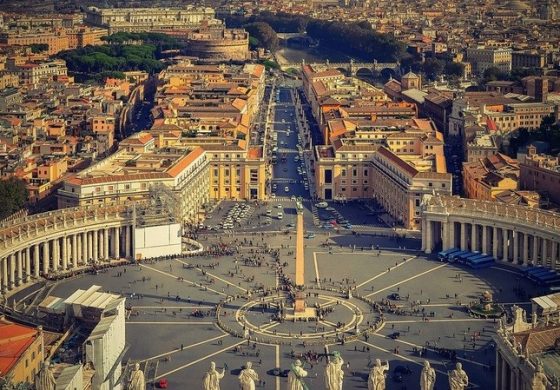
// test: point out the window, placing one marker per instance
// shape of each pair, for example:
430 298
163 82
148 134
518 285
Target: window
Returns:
328 176
343 189
354 189
354 172
343 172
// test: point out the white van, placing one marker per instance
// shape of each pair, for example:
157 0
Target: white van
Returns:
280 215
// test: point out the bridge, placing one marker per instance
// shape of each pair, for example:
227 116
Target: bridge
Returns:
351 68
512 234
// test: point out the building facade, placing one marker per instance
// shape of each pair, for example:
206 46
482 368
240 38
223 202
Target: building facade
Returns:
483 58
540 173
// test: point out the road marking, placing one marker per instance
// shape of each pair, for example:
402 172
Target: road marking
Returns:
471 384
277 353
182 280
172 307
407 280
168 323
448 320
385 272
215 277
432 349
316 270
198 360
185 347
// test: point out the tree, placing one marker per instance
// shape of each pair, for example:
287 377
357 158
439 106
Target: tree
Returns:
432 68
493 74
39 47
14 194
454 69
264 34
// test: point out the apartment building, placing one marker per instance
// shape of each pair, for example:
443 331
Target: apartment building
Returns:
393 161
541 173
487 177
148 19
482 58
138 168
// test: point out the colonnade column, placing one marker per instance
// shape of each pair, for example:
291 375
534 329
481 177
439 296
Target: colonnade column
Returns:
19 268
4 265
127 243
27 264
463 236
554 254
515 247
64 253
505 247
85 252
55 254
36 261
474 237
525 249
74 251
451 235
117 240
429 237
46 258
90 245
12 271
95 244
535 250
106 243
495 243
484 239
544 251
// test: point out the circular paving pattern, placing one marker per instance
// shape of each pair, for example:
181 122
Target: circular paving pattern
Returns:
185 313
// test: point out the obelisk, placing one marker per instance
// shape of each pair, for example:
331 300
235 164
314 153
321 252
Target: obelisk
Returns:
299 304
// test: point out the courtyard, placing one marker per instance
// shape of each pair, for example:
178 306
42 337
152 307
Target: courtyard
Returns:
403 307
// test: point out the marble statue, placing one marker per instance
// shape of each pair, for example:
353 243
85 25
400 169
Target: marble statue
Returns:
539 380
376 380
458 379
427 377
247 377
45 378
333 372
212 378
136 380
295 377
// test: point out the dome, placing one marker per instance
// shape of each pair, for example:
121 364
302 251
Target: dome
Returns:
410 75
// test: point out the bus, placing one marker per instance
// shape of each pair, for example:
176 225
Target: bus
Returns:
443 255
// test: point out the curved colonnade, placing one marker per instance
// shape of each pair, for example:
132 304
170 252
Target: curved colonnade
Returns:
513 234
61 241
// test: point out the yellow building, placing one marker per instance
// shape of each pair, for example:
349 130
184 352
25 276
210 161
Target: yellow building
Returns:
22 351
487 177
394 161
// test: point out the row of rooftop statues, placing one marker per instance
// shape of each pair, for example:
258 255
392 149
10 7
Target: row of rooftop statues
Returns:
334 375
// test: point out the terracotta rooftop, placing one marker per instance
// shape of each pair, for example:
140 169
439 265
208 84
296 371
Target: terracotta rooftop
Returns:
14 341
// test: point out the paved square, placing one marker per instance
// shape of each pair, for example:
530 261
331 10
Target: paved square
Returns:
173 320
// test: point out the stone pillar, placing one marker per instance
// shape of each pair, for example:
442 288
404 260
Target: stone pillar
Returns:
106 243
429 237
535 257
463 236
19 268
64 253
36 261
554 254
12 280
525 249
27 264
100 237
117 240
90 245
451 235
127 245
424 232
74 251
484 239
544 253
46 258
515 247
5 282
95 245
505 246
495 243
474 237
85 243
4 265
55 254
